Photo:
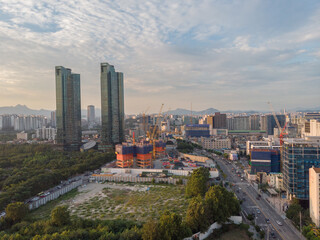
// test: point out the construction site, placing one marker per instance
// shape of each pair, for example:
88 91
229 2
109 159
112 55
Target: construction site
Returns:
142 154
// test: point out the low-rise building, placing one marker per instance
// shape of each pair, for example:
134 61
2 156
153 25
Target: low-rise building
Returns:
22 136
216 143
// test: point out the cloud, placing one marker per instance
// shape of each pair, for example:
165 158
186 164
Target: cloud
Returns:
210 52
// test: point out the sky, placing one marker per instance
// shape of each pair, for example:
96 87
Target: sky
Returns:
225 54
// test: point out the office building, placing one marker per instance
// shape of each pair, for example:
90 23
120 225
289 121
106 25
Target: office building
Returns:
112 105
68 109
91 114
314 195
197 130
220 120
298 155
265 160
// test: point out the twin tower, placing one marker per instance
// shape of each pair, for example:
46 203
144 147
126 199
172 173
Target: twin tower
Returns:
68 108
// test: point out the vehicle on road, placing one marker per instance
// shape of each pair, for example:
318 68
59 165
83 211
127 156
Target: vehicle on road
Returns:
279 223
267 220
272 235
258 211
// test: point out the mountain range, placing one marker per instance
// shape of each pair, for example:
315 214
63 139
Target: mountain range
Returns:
23 109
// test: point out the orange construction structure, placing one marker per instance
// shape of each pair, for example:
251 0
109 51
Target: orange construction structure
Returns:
124 155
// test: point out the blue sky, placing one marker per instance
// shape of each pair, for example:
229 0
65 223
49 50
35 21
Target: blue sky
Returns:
228 54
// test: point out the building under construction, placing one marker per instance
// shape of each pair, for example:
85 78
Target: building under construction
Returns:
140 154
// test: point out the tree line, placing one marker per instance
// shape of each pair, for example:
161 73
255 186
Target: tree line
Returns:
26 170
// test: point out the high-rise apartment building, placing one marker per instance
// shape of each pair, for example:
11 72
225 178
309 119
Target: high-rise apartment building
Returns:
298 155
91 114
68 109
314 195
254 122
220 120
53 119
112 105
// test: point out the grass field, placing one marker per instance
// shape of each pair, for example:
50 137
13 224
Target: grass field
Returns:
138 202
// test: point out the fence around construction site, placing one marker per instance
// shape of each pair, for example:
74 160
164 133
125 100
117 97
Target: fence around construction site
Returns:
104 177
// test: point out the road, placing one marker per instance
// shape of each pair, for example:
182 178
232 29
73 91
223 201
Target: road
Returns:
246 192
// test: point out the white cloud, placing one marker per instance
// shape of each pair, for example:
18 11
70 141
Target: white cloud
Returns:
170 51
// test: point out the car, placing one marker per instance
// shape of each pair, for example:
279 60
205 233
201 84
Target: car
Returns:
258 211
272 235
267 220
279 223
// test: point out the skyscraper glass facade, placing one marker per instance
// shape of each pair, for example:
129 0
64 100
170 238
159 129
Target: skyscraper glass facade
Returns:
298 156
68 109
112 105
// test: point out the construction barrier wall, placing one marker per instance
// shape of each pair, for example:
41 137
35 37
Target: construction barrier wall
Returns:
103 177
54 195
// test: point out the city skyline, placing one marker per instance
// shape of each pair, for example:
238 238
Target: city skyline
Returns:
235 55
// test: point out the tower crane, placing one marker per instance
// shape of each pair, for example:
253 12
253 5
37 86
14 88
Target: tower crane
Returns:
281 130
152 137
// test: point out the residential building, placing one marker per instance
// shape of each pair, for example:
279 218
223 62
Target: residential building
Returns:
68 109
314 193
311 128
254 122
46 133
238 123
112 105
298 155
220 120
53 119
91 114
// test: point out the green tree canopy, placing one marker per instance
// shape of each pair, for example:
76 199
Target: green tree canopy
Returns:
171 227
221 204
60 216
197 215
16 211
150 230
198 182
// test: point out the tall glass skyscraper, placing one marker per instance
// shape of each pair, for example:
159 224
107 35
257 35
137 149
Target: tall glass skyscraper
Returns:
112 105
68 109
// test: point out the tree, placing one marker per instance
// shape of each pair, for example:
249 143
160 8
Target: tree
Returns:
16 211
197 216
198 182
60 216
221 204
150 230
293 212
171 227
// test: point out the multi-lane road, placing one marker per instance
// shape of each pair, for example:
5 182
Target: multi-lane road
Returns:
276 227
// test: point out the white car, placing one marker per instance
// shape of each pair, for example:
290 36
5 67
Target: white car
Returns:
279 223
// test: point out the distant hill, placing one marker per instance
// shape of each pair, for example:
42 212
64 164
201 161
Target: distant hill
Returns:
23 109
181 111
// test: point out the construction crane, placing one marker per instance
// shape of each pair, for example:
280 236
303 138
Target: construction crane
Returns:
280 129
152 137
